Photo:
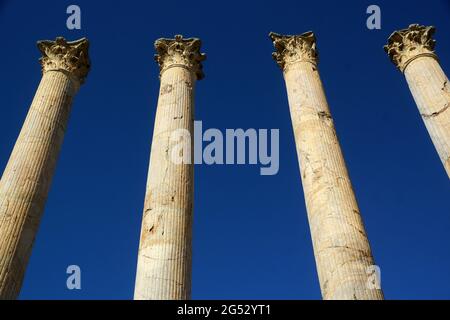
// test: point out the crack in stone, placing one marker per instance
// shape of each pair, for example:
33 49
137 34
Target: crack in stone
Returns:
435 114
169 280
160 259
361 251
444 87
324 115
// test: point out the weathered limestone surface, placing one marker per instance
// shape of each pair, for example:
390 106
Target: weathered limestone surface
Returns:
341 247
412 51
26 180
164 258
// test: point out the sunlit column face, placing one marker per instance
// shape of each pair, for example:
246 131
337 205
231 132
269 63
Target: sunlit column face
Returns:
336 225
26 180
164 259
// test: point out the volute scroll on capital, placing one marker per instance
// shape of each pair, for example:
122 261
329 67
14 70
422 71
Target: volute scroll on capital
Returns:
294 48
70 56
180 52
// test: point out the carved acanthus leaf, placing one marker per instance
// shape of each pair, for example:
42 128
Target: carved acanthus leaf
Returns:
179 51
71 56
294 48
407 44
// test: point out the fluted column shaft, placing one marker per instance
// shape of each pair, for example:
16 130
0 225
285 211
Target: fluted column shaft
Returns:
164 258
430 89
341 248
412 51
26 180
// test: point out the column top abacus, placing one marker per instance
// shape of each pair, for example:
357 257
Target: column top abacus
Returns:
290 49
408 44
70 56
180 52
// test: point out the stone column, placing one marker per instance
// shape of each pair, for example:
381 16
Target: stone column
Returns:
341 248
26 180
164 258
412 51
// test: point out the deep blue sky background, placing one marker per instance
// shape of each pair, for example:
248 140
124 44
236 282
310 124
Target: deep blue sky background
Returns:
251 236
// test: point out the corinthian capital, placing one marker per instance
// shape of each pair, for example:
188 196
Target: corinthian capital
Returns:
408 44
295 48
181 52
71 56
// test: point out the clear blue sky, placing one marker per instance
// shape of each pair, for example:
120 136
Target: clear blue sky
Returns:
251 236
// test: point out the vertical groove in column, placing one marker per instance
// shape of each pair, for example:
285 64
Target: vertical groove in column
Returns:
26 180
165 249
164 258
341 247
340 244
